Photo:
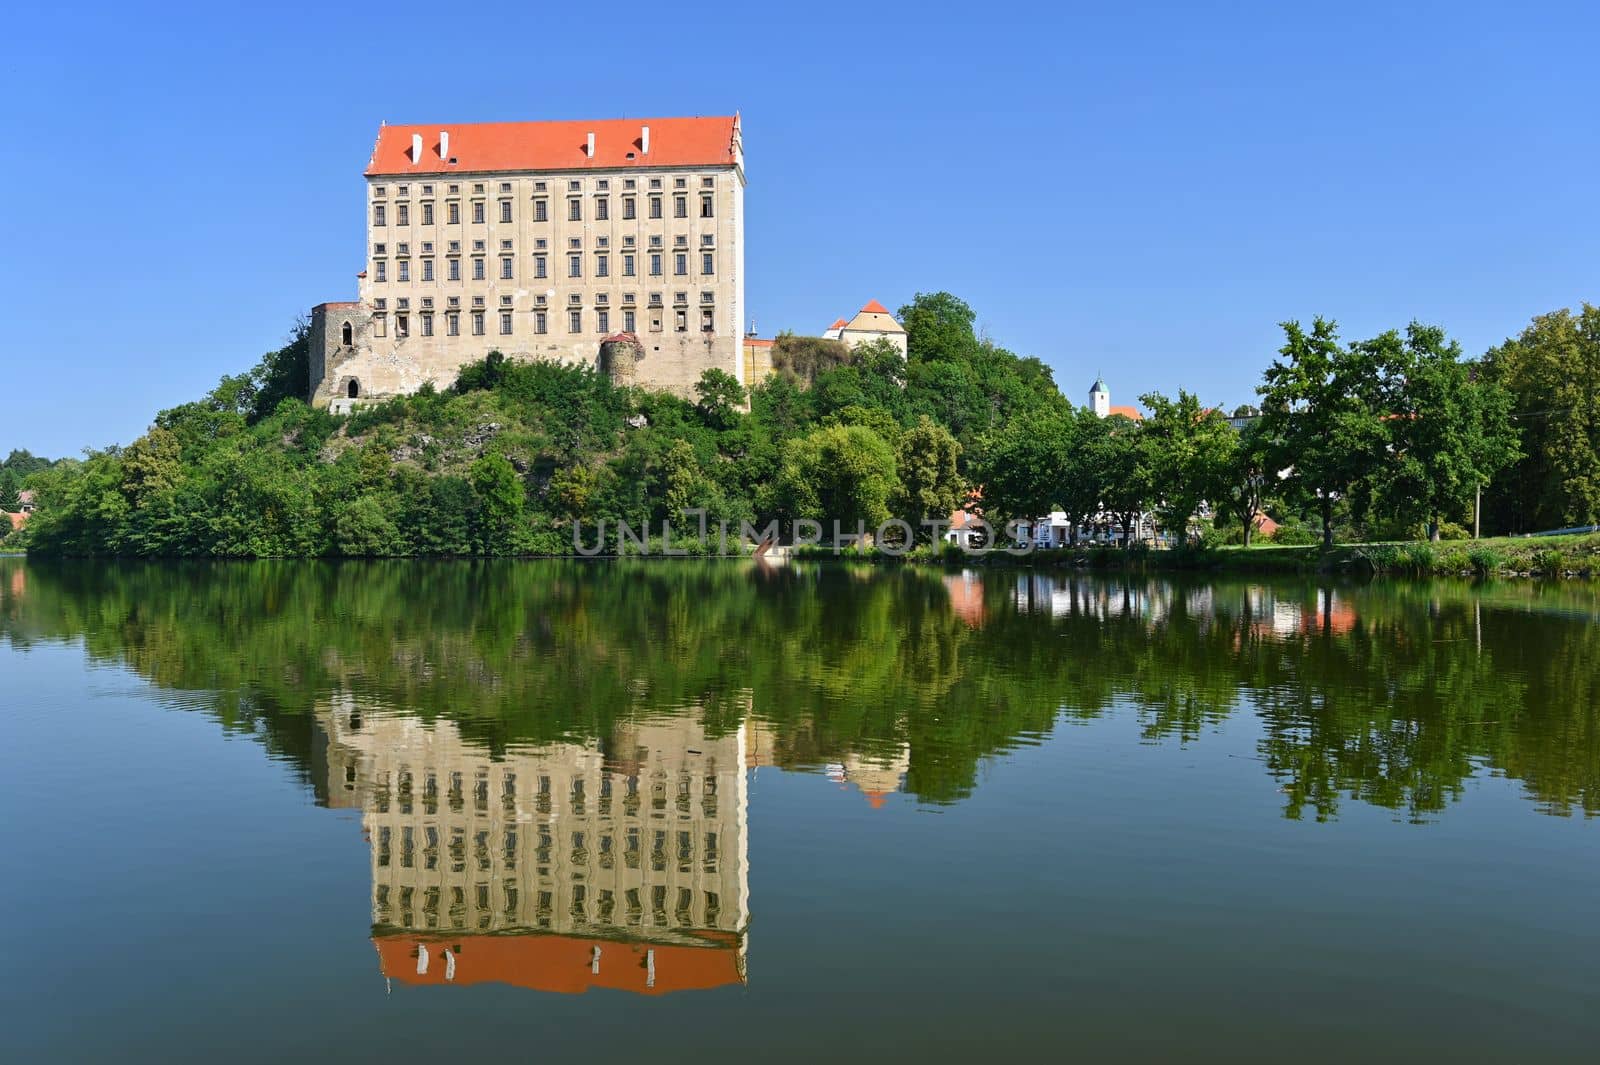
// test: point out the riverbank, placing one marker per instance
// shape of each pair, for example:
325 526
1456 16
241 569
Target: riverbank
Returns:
1502 556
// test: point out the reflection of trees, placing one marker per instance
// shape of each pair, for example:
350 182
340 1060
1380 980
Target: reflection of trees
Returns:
1393 694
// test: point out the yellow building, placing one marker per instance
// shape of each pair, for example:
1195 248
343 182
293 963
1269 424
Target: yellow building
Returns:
541 240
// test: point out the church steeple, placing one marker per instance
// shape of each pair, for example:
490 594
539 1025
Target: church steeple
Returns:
1100 397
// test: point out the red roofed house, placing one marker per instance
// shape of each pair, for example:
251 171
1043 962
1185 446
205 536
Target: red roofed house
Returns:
872 322
539 239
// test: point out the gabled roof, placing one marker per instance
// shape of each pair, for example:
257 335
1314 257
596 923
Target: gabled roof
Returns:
1126 411
873 318
487 147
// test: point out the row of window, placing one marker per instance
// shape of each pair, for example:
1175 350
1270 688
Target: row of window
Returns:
478 320
380 249
541 210
540 301
541 267
573 185
544 837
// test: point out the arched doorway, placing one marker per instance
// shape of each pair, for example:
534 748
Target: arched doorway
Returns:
354 390
347 335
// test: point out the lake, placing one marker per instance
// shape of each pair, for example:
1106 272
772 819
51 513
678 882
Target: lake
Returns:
699 811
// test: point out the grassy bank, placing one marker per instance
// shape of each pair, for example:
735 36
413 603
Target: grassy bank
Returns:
1504 556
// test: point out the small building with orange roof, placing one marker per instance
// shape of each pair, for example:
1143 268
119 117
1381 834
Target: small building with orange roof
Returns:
872 322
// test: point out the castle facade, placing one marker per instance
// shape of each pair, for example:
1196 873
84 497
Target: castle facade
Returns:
543 240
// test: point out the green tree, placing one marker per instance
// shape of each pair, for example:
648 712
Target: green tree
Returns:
363 529
844 474
681 482
1246 474
1450 433
1087 469
721 398
282 374
931 486
1024 469
9 494
1550 370
1322 409
500 502
1125 474
1187 451
939 328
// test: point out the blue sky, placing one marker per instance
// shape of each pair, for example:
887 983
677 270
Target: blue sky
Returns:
1138 190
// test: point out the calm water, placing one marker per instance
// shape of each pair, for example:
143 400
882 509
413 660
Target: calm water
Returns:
699 812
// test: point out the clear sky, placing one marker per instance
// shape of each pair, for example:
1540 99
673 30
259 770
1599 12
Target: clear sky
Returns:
1142 190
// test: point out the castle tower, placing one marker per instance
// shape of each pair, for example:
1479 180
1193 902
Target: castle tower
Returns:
1100 398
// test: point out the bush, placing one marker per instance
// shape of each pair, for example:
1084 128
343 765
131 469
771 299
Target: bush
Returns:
1485 561
1416 559
1294 534
1551 561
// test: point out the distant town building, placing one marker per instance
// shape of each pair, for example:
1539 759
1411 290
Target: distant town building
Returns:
872 322
1100 403
540 239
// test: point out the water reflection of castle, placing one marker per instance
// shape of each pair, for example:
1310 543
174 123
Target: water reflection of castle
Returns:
620 864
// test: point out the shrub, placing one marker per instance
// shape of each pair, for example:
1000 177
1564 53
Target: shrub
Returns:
1551 561
1485 560
1294 534
1417 559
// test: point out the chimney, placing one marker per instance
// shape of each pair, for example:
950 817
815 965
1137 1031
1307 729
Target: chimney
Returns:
644 140
416 148
590 149
444 145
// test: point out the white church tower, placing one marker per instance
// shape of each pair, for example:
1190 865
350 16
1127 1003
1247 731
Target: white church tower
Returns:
1100 398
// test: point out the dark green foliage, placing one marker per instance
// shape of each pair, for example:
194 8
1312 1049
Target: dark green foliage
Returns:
1552 373
1392 433
721 397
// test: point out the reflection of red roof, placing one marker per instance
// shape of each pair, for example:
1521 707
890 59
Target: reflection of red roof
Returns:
874 307
1338 618
562 964
502 146
966 598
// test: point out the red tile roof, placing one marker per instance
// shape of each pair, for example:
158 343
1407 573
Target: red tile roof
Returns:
839 323
561 963
874 307
484 147
1127 411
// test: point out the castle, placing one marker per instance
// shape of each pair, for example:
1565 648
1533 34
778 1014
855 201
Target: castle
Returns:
617 244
